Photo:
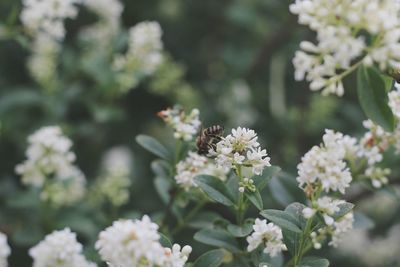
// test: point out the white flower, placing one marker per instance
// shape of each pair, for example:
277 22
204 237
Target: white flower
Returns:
136 243
5 250
394 101
193 165
327 206
308 212
241 148
114 181
185 126
49 165
103 31
341 227
377 175
42 64
144 54
325 165
59 249
48 16
344 30
269 235
177 257
109 10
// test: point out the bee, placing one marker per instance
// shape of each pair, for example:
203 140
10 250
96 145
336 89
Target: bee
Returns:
209 138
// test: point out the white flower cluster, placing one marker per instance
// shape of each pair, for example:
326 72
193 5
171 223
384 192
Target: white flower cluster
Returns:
113 185
47 16
240 148
324 165
44 20
269 235
326 206
185 126
42 64
336 230
136 243
5 250
193 165
59 249
323 168
49 165
109 13
144 54
342 29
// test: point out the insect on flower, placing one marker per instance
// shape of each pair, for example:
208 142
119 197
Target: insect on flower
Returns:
208 139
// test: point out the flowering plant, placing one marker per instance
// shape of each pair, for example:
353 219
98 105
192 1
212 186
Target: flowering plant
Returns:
232 177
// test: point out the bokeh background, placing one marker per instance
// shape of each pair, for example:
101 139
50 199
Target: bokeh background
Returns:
229 58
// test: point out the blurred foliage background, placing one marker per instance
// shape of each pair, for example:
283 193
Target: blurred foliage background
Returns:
229 58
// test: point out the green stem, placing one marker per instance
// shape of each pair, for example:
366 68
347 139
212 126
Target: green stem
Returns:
241 204
303 241
291 262
182 224
178 148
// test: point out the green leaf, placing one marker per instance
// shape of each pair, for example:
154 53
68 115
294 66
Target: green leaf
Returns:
373 97
213 258
152 145
283 219
280 192
261 181
291 240
217 238
296 209
313 262
215 189
204 219
233 187
160 167
162 186
255 198
240 231
389 82
344 209
164 241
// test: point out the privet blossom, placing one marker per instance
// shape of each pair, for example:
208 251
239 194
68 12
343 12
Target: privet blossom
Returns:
42 64
113 184
136 243
144 54
326 206
59 249
193 165
324 165
47 16
5 250
50 166
185 126
241 148
323 169
268 235
342 29
103 31
336 230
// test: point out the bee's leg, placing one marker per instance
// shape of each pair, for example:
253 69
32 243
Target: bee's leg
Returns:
211 146
218 137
